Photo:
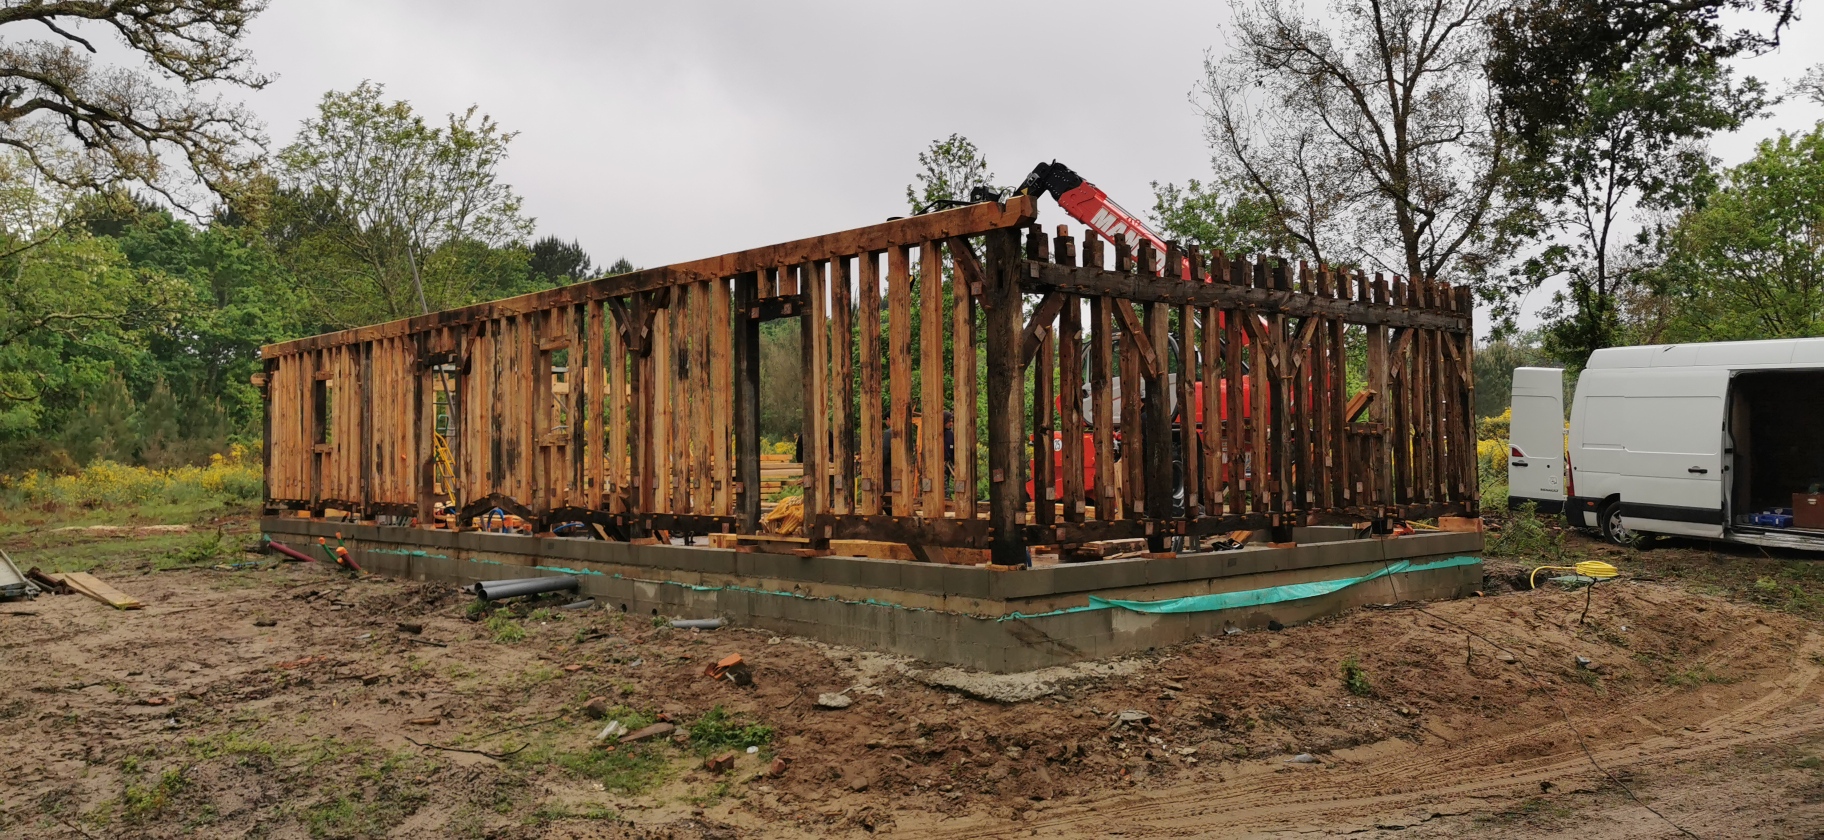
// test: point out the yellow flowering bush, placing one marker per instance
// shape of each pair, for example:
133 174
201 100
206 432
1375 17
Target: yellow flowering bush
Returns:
235 475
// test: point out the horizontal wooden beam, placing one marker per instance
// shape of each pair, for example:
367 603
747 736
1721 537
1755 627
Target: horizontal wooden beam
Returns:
911 530
961 222
1042 276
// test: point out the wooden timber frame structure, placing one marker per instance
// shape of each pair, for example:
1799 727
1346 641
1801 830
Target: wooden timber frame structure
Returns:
631 402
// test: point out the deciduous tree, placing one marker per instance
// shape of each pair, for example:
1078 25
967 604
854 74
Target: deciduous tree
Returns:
85 123
381 191
1365 128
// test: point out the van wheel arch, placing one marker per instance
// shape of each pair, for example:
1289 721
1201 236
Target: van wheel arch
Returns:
1610 525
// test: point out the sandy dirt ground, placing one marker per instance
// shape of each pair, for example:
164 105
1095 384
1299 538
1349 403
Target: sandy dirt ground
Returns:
286 701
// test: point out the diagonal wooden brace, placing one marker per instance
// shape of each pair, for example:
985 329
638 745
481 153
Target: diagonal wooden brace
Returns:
1132 330
1040 324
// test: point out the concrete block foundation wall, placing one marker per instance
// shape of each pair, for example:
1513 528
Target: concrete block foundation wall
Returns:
999 621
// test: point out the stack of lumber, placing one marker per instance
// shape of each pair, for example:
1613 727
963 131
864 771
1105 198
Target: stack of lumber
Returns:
777 471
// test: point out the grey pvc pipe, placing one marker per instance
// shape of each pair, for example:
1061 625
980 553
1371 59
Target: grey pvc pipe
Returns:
494 590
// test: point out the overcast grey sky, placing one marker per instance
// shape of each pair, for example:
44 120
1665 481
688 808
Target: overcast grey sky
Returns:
671 131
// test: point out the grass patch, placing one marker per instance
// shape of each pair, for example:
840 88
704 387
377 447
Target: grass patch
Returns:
630 768
141 802
505 630
383 795
242 745
1355 678
1693 677
554 812
718 730
74 551
204 549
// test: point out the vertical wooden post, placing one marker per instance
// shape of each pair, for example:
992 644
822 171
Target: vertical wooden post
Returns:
814 346
1102 371
867 328
1044 475
1070 387
931 379
842 391
1187 379
963 364
904 486
721 396
1001 300
747 403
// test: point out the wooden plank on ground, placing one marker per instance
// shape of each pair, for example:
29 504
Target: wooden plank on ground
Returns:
98 589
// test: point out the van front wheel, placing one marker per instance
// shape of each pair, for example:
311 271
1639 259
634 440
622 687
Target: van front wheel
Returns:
1613 529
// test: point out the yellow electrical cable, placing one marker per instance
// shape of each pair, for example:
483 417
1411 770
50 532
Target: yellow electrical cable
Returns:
1594 569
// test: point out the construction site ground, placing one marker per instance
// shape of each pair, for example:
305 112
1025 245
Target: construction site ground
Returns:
285 700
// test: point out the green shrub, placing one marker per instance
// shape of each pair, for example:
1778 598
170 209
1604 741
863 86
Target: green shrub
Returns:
1355 678
1526 536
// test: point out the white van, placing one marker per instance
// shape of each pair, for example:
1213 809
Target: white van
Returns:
1723 441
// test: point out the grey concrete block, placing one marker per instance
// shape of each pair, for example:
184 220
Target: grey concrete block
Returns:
883 574
836 571
966 581
1091 577
1167 570
924 624
922 577
1026 583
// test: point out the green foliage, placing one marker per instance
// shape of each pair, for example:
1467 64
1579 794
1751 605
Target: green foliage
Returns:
1543 51
781 388
559 263
203 549
141 802
1525 537
718 730
1355 678
1748 263
1494 364
1210 218
228 480
1637 142
949 170
382 215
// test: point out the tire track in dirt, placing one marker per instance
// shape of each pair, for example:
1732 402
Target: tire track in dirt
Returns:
1268 800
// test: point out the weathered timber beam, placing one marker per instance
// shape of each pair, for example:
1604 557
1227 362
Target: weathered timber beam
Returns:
968 268
955 533
1134 331
961 222
774 308
1136 287
1038 326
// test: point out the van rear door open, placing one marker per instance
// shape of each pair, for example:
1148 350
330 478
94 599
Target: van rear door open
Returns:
1535 455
